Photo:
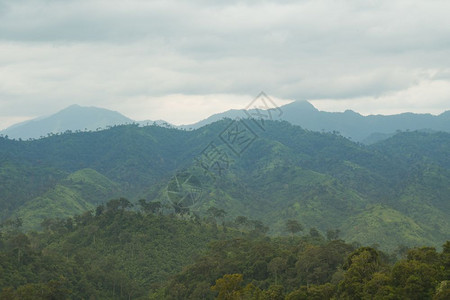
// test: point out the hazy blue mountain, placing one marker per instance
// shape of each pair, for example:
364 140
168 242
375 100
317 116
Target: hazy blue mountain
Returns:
232 114
367 129
358 127
72 118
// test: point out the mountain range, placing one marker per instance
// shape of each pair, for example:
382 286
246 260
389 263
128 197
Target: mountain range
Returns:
365 129
392 192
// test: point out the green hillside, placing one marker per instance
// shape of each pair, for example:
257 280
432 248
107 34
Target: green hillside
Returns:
322 180
81 191
114 254
384 225
119 253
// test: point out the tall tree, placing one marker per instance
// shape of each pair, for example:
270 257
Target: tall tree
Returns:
293 226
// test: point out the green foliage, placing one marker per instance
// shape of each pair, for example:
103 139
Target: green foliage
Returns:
390 193
308 271
377 222
263 263
79 192
293 226
117 254
228 287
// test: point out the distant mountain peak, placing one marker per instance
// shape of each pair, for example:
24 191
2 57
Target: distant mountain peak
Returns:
301 112
349 123
73 106
300 104
74 117
351 112
79 108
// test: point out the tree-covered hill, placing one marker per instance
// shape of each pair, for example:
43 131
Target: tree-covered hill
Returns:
310 268
81 191
121 252
133 157
416 147
391 193
112 254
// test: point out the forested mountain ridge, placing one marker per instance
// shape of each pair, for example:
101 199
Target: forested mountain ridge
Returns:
366 129
393 192
113 253
121 252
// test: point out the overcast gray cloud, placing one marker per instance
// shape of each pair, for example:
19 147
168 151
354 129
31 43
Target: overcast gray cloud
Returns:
183 60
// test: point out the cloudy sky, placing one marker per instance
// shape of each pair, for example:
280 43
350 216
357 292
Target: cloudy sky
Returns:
183 60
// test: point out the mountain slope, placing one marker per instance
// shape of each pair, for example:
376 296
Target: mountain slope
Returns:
384 225
323 180
366 129
79 192
358 127
72 118
350 124
115 254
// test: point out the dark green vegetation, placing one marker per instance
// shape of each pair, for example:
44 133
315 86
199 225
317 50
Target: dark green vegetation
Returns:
120 253
112 254
365 129
311 268
392 193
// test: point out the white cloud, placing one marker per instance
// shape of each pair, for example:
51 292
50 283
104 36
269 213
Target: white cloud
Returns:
182 109
106 53
428 96
8 121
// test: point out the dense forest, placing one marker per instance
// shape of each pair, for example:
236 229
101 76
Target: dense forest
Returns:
233 210
392 193
123 252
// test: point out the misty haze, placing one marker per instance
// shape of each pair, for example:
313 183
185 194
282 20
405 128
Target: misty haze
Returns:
229 150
